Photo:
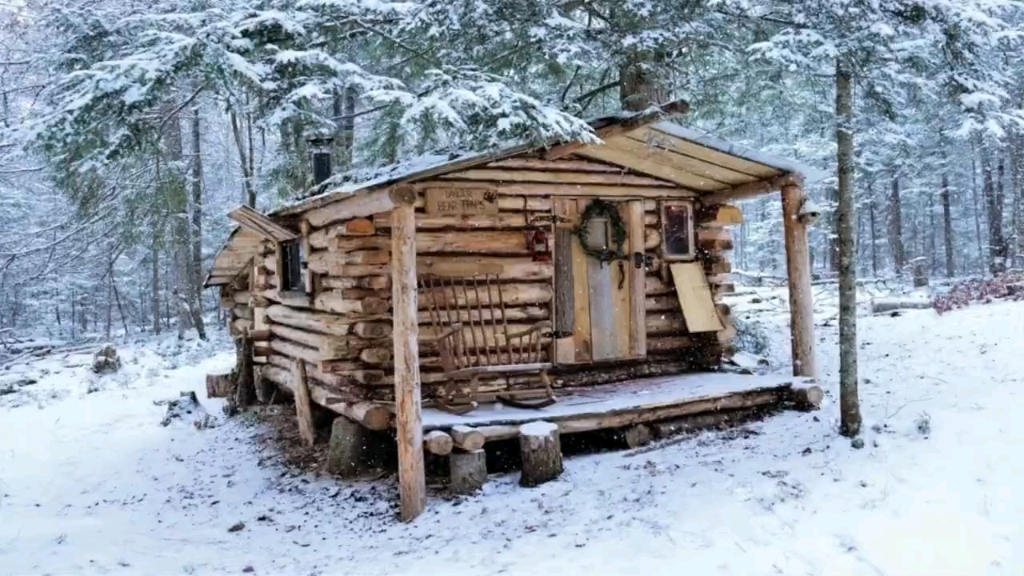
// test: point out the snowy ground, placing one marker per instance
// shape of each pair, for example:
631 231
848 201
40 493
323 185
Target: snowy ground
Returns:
90 483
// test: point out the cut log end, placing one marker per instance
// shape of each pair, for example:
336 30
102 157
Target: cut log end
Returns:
467 438
438 442
541 453
808 397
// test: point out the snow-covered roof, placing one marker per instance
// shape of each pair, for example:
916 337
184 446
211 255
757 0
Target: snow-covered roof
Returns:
644 143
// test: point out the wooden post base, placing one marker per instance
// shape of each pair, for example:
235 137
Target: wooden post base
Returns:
541 452
348 448
266 390
468 471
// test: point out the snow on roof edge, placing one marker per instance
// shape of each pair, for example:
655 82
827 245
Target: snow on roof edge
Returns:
810 173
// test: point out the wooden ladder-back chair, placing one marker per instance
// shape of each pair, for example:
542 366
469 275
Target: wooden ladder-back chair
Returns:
473 338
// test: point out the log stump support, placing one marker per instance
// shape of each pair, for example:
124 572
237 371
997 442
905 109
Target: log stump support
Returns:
541 452
798 266
218 385
245 386
348 451
468 471
412 482
303 404
807 397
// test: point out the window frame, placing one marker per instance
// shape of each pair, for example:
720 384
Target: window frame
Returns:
288 284
691 232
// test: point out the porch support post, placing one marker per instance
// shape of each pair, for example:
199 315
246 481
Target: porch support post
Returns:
411 476
798 265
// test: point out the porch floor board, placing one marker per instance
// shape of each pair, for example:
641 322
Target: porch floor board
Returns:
641 400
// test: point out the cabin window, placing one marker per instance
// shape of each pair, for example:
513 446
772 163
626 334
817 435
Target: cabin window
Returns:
598 234
292 265
677 242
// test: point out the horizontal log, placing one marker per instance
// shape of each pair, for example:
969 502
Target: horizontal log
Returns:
505 268
511 294
361 205
328 346
367 282
652 239
511 314
665 323
350 372
335 262
669 344
437 442
241 326
371 415
466 438
557 177
242 312
356 227
565 165
577 190
335 302
295 351
478 337
241 297
668 303
317 322
706 234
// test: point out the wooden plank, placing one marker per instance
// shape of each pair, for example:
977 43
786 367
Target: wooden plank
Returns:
635 156
581 296
564 303
701 152
798 265
751 190
602 310
620 272
260 224
696 166
303 407
577 190
615 127
409 433
637 281
557 177
695 297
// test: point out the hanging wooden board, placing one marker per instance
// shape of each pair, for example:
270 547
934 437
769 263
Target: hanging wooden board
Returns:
449 201
695 297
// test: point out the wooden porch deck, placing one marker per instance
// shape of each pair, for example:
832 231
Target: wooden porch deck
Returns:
632 402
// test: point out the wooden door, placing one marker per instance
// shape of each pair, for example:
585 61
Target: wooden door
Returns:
599 306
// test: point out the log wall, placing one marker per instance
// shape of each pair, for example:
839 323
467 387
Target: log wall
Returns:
341 330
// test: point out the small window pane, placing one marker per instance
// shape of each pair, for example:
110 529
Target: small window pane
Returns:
292 276
678 230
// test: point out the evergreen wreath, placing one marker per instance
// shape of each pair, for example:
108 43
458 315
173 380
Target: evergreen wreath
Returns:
601 209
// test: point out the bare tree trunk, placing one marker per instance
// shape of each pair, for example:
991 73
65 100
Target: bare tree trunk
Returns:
896 226
195 212
874 237
833 231
977 208
639 85
849 403
247 184
999 246
1018 203
155 278
947 220
996 245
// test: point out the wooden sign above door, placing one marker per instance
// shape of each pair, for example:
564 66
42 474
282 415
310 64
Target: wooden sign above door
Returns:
452 201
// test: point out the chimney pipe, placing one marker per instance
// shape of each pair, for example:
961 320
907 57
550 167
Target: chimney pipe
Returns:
320 158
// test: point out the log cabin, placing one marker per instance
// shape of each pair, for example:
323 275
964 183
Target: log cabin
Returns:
460 300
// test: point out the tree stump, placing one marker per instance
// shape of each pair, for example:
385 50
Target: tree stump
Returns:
218 385
541 452
468 471
347 451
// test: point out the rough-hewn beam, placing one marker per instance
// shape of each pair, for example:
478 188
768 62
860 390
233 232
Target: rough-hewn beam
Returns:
261 225
798 266
362 205
404 295
615 128
751 189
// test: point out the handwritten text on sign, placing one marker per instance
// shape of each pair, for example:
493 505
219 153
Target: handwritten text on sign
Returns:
461 201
